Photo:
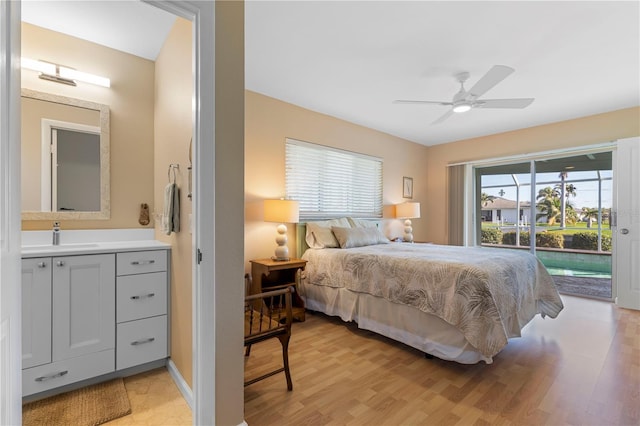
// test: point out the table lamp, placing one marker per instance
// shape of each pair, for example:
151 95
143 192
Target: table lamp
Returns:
408 211
281 211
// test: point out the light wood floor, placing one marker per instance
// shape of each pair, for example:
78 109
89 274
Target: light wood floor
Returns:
155 400
582 368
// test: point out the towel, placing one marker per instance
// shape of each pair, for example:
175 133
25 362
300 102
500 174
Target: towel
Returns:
171 216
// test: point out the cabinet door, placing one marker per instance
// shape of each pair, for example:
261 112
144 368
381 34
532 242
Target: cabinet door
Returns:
36 312
83 305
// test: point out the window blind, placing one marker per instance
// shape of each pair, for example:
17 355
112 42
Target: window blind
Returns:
330 183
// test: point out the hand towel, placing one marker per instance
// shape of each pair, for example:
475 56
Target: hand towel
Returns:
171 216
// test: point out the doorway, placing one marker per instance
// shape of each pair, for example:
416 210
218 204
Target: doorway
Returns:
558 207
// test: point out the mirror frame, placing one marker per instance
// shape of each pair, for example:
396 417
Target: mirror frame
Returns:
105 201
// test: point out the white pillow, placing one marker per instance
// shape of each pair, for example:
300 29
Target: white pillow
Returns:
319 233
358 237
361 223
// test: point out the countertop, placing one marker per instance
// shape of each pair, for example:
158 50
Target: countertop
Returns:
82 242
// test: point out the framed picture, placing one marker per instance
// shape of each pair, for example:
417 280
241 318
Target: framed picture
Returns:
407 187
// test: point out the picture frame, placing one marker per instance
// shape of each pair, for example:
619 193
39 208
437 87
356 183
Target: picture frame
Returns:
407 187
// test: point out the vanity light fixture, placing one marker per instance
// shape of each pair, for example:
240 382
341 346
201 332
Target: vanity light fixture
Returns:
62 74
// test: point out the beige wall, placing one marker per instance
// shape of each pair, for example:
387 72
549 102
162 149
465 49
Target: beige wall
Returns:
173 130
566 134
270 121
130 99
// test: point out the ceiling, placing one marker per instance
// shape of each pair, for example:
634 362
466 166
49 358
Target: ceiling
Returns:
352 59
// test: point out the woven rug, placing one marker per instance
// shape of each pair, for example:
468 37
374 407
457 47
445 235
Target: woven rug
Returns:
92 405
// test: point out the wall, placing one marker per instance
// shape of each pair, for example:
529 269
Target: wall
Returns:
270 121
173 129
130 99
583 131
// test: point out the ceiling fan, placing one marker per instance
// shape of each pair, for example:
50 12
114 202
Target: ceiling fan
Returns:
465 100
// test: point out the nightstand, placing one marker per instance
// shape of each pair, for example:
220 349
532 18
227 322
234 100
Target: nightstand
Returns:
269 274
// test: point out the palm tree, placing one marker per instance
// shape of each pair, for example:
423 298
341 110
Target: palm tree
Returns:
589 215
566 190
549 208
549 204
486 199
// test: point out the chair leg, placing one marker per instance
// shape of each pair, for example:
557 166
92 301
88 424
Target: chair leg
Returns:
247 350
284 340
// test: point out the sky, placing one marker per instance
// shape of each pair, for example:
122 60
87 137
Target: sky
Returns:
586 191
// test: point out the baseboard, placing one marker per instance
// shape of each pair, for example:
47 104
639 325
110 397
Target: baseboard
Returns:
183 386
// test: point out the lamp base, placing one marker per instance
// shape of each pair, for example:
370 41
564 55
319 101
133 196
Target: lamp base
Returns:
408 231
282 251
280 259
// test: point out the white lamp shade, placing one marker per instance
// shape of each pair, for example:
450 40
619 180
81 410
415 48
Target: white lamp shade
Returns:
408 210
281 211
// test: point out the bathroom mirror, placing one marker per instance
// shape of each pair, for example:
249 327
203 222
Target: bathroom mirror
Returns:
65 158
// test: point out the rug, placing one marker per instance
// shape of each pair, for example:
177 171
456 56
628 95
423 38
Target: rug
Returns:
92 405
584 286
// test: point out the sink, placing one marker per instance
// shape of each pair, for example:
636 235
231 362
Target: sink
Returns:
51 247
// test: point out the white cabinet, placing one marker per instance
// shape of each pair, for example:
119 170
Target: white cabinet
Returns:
89 315
142 308
77 328
36 312
84 304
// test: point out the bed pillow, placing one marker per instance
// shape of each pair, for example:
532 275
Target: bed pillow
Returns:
319 234
361 223
358 237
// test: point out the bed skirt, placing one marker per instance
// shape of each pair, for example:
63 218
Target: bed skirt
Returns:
412 327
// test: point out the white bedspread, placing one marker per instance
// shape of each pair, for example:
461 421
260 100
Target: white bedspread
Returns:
488 294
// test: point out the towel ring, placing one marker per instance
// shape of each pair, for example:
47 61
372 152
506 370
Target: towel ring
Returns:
172 166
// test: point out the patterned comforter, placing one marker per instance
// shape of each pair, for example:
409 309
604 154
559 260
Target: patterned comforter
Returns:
488 294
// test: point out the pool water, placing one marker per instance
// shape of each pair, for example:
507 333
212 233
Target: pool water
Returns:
577 273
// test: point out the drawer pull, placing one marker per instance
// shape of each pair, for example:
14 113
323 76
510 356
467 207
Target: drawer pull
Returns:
51 376
42 264
143 262
60 263
143 341
144 296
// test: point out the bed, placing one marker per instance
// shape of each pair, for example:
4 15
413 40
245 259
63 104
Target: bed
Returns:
456 303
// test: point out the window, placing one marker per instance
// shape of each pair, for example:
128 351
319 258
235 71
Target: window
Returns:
329 182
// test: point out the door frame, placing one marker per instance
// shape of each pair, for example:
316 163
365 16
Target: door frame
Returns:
209 406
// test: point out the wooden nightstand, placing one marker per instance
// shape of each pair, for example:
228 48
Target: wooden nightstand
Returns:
268 274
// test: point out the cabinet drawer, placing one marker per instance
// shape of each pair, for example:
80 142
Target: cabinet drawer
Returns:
140 262
141 341
141 296
60 373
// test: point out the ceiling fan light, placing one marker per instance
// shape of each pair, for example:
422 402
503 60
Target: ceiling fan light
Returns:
462 107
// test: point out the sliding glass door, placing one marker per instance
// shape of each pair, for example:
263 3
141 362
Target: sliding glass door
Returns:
558 208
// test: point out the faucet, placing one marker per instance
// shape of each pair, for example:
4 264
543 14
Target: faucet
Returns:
56 233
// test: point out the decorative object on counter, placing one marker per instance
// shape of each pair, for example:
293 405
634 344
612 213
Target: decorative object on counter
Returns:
281 211
408 211
91 405
171 216
144 214
56 234
407 187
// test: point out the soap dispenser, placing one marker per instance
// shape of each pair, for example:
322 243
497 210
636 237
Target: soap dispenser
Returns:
56 233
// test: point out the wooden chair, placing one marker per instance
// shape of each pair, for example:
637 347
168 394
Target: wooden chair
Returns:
268 315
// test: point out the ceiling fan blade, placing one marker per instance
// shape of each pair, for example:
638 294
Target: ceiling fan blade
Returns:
494 76
503 103
403 101
444 117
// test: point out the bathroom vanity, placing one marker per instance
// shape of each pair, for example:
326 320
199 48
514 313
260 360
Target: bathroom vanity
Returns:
93 309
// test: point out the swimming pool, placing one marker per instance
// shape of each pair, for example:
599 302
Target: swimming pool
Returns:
577 273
